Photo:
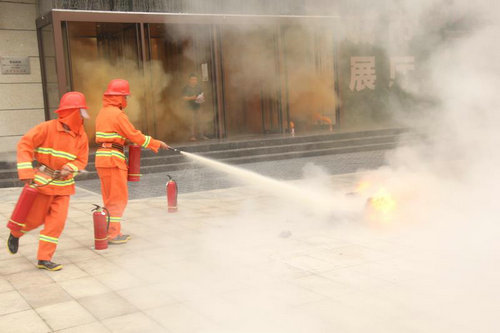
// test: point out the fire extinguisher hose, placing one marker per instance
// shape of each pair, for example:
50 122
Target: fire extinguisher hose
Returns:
108 217
174 149
57 175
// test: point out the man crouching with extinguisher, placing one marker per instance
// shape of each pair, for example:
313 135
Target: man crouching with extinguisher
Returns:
112 129
60 147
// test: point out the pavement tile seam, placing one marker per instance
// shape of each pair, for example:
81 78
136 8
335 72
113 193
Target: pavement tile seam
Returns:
180 305
107 320
66 327
29 321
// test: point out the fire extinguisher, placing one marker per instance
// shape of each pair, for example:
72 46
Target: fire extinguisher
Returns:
25 202
101 225
23 206
171 195
134 163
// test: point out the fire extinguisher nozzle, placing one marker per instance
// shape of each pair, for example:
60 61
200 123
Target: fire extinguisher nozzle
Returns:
174 149
96 207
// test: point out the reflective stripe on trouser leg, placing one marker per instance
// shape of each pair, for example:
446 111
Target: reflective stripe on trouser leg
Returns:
114 226
114 189
53 227
49 239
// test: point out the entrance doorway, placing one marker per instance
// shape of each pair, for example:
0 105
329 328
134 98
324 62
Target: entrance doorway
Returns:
100 52
309 66
252 98
177 51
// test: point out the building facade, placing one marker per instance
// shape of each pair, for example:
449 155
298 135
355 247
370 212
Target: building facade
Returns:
258 73
21 97
264 66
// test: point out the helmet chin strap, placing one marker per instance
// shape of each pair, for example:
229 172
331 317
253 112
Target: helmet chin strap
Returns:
123 103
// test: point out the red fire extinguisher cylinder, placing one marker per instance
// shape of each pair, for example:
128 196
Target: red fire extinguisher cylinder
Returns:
18 218
100 228
134 163
171 195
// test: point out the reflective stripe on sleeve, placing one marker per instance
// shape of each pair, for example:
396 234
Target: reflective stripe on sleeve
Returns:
72 166
25 165
147 140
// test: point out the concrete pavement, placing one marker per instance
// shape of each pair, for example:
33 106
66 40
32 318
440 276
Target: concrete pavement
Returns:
230 260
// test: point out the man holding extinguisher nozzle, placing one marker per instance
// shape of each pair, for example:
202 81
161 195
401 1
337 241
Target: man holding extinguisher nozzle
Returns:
113 128
60 146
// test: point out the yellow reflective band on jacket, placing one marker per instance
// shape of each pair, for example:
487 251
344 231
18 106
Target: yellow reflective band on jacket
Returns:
110 153
72 166
55 153
115 219
25 165
55 182
112 135
146 141
49 239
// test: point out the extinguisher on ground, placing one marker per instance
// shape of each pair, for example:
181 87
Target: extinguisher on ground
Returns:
101 225
23 206
134 163
171 195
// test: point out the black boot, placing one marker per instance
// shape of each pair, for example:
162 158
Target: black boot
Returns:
12 244
49 265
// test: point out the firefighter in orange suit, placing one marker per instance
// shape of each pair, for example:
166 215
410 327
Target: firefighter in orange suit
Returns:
112 129
60 148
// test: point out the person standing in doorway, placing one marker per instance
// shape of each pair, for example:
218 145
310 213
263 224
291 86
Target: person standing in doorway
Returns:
193 96
112 129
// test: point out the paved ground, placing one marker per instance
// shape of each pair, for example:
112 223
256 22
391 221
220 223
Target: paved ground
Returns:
235 259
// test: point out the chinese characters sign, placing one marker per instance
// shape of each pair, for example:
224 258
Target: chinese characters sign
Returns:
400 66
363 75
15 65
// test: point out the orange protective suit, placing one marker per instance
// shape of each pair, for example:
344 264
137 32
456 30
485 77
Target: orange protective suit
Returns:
55 144
113 126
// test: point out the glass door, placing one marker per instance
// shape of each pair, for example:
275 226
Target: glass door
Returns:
180 56
251 80
99 52
311 97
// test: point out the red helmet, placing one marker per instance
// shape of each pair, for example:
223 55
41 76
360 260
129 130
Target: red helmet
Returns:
72 100
118 87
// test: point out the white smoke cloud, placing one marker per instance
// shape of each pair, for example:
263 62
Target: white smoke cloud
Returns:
445 226
446 185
